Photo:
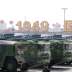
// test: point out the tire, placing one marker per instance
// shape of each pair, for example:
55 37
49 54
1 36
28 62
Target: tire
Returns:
46 70
24 67
10 64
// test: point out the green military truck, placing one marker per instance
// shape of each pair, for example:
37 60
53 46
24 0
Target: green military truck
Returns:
30 53
61 52
22 54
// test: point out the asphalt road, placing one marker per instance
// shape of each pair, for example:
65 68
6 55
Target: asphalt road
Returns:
55 69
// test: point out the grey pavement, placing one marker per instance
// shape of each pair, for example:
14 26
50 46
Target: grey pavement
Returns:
55 69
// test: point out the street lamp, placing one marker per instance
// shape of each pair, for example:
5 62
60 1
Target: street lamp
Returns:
64 16
64 12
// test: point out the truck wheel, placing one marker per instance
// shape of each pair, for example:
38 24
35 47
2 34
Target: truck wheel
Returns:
24 67
11 64
46 69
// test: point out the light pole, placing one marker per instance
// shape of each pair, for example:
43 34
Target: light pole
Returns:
64 12
64 17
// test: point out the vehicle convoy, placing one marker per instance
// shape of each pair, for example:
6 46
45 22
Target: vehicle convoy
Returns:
31 53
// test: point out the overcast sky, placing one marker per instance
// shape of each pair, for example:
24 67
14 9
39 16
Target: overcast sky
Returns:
33 10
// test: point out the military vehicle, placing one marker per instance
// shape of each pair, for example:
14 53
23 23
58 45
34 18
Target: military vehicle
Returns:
14 54
34 53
